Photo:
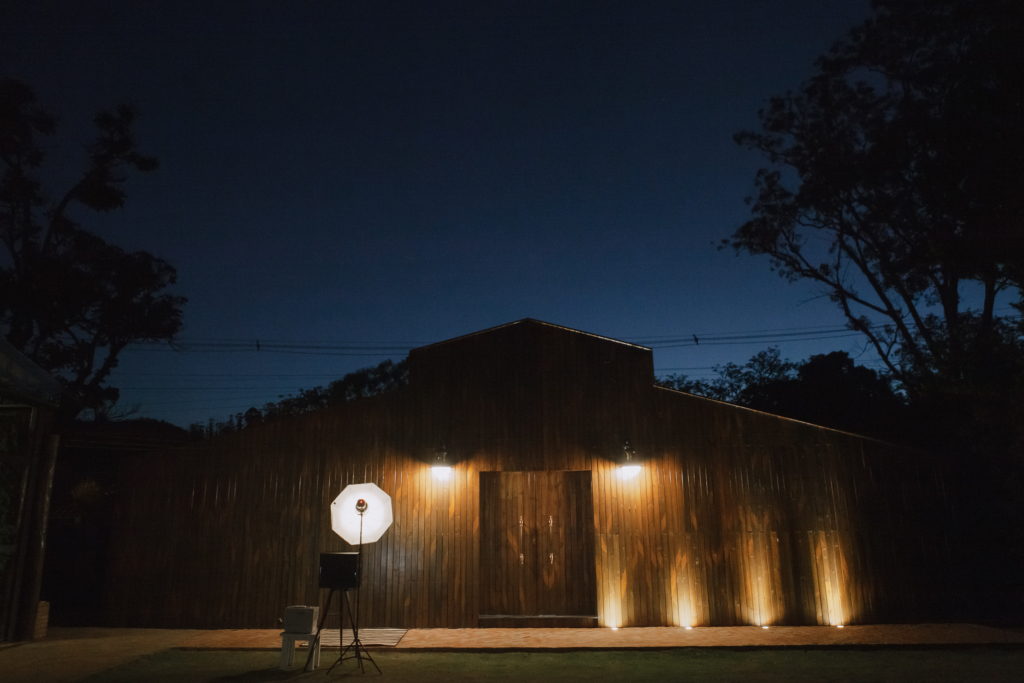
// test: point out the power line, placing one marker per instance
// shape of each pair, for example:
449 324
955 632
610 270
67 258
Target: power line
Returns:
252 341
246 350
702 342
222 345
222 388
832 332
227 409
759 337
378 344
809 329
219 399
206 374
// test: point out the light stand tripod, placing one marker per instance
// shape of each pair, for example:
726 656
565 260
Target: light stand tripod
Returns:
342 571
355 649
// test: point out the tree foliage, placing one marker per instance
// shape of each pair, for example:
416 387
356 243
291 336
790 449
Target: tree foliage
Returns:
894 184
827 390
69 300
894 181
361 384
740 384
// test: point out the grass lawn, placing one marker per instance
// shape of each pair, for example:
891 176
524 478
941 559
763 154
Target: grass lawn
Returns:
703 665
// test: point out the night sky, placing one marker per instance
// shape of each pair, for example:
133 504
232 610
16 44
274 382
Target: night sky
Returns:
344 175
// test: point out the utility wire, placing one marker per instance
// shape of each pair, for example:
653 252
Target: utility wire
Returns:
249 388
383 348
370 348
319 349
379 345
207 374
186 349
702 342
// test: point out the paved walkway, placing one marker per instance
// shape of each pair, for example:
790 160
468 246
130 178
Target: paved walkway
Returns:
69 654
746 637
541 639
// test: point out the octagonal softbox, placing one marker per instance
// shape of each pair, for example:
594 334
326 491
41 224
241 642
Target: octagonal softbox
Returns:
376 518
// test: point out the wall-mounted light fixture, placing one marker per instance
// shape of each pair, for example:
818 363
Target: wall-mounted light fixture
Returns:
440 466
629 462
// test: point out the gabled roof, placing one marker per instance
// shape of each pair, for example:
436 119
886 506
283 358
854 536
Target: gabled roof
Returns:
528 322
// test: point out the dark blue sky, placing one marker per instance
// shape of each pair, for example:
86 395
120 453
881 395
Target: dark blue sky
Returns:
402 173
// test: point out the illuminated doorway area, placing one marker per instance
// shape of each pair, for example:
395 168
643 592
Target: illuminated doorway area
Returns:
537 550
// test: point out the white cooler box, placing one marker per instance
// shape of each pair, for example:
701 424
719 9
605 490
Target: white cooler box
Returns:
301 619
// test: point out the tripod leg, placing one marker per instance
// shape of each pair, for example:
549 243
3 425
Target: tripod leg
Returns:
355 624
358 650
366 653
311 662
353 645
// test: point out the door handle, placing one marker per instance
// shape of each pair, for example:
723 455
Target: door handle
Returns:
520 558
551 557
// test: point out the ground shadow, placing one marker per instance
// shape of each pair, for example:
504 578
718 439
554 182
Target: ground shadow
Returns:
298 673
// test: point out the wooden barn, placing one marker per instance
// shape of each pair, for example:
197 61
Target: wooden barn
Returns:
28 453
735 517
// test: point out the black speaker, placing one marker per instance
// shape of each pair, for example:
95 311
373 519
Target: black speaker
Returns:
339 570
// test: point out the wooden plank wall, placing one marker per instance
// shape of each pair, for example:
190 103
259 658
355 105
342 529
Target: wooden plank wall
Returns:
537 545
760 520
736 518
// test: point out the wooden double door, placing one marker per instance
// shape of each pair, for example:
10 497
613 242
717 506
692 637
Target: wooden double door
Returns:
537 549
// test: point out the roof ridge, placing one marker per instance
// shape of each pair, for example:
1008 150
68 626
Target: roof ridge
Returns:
534 321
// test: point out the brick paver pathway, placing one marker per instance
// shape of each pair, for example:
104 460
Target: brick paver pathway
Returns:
630 638
748 636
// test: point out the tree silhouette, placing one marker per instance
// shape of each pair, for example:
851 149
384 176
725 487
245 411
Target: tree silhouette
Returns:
68 300
364 383
895 180
827 390
740 384
894 185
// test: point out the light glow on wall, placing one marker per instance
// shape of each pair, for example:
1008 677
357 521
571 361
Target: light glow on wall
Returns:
441 471
630 471
758 562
